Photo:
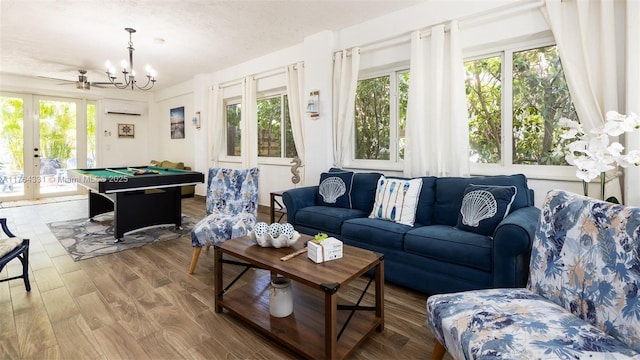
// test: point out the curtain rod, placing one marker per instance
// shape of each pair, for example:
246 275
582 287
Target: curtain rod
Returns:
465 21
261 75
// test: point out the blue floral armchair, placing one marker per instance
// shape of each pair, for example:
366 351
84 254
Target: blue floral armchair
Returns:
582 300
231 206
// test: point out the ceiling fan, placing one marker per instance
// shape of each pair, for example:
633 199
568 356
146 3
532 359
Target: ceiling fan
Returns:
82 83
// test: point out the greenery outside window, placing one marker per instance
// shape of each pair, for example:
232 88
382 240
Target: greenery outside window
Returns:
515 98
274 139
232 121
380 119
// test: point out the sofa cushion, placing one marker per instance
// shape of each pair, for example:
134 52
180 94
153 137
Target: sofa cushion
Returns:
363 192
168 164
450 191
172 165
516 324
378 232
483 207
7 245
424 211
335 189
396 200
326 218
450 244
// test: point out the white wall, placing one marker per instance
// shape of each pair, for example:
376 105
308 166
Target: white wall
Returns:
161 145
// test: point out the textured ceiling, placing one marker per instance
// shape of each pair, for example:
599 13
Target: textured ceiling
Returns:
179 39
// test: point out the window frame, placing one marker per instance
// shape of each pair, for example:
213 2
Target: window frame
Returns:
394 163
542 172
224 156
270 160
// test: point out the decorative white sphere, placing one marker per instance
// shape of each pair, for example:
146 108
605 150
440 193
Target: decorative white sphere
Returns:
274 230
260 229
287 230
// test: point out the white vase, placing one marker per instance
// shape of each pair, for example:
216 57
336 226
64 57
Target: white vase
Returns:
280 297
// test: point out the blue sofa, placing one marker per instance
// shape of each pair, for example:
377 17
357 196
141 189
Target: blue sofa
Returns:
432 256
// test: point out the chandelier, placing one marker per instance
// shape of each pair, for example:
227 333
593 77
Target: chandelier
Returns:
129 75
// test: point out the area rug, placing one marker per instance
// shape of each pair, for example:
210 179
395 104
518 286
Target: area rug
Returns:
84 239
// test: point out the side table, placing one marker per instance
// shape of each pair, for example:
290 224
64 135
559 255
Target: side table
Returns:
277 207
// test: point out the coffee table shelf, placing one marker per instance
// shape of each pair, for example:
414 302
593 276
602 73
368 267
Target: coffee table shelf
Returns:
323 324
304 329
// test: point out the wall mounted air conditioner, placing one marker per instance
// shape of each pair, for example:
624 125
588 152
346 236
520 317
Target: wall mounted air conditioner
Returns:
123 107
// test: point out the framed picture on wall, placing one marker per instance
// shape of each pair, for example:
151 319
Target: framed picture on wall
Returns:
126 131
176 117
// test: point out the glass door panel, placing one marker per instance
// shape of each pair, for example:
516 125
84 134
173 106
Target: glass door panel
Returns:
58 144
12 148
91 135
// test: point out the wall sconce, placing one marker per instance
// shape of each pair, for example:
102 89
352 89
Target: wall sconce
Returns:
196 120
313 104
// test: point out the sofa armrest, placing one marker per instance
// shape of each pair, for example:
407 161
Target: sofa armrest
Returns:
512 243
298 198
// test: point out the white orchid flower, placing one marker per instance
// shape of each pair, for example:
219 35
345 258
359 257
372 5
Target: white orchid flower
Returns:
631 159
615 149
587 175
572 129
612 128
614 116
599 143
578 146
593 155
569 134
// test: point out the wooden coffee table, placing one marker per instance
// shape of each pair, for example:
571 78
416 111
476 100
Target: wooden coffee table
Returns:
319 327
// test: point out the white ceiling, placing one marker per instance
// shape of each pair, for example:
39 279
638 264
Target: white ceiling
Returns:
179 39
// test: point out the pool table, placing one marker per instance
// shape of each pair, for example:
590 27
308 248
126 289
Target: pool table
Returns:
139 196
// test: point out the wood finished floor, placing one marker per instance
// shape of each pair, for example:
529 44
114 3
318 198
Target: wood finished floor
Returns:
143 304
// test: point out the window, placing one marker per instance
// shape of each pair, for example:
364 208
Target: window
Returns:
274 139
233 129
515 99
380 117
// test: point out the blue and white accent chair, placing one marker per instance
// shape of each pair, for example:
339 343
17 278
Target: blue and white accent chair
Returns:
231 206
582 299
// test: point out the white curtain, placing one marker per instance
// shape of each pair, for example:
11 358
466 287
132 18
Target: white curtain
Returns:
295 93
249 124
585 32
216 135
632 174
437 134
345 81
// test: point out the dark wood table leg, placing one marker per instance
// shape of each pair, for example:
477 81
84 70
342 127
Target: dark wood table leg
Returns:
330 319
218 278
380 294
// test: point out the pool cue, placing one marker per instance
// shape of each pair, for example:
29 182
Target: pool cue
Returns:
117 172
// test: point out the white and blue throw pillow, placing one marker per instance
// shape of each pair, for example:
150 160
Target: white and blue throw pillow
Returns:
335 189
396 200
484 206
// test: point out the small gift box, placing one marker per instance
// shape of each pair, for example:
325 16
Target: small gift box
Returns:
324 250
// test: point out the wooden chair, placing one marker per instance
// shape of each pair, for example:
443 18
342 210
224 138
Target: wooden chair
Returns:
232 209
15 248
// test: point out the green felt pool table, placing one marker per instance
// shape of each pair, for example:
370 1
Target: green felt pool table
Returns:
139 196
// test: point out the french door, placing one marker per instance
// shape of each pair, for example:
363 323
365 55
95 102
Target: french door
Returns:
41 138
